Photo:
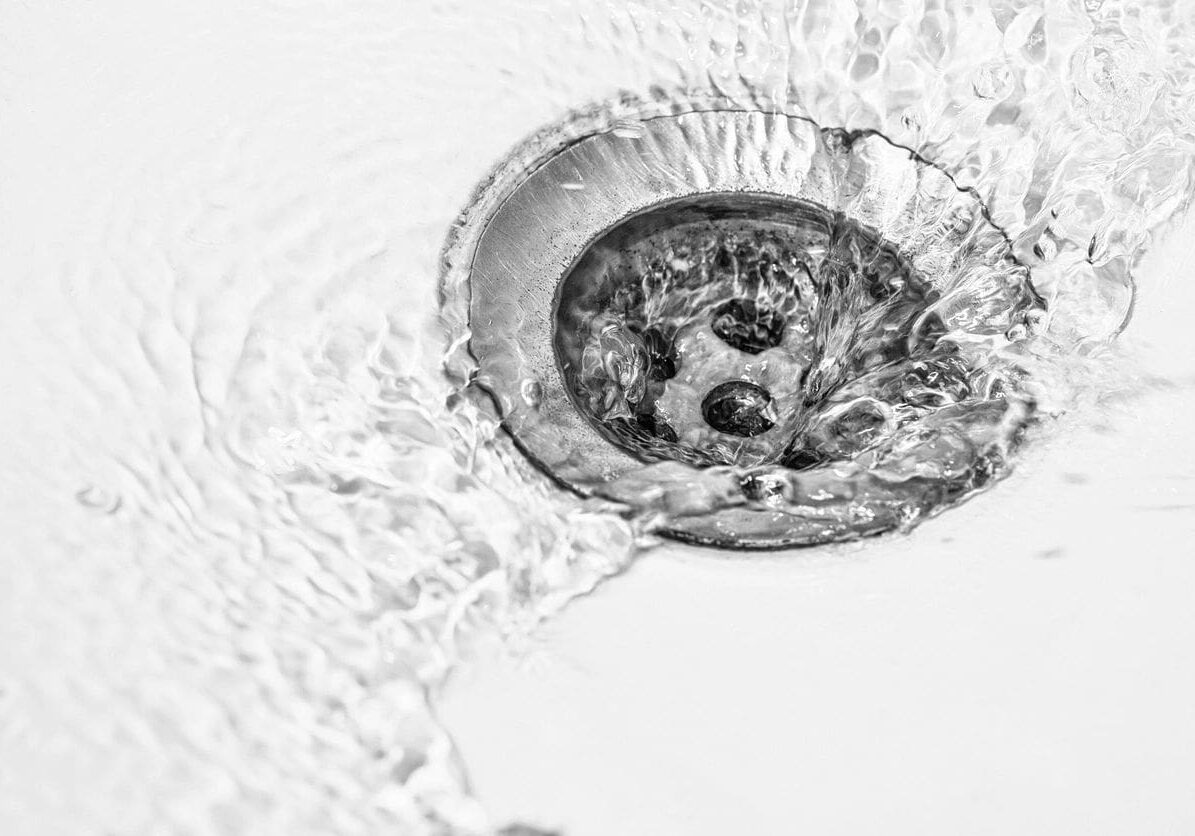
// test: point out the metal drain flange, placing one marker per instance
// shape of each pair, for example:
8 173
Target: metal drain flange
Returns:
770 333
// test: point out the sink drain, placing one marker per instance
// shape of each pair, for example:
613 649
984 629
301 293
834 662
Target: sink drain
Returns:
769 333
691 328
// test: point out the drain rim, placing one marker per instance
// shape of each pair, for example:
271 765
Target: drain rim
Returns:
781 149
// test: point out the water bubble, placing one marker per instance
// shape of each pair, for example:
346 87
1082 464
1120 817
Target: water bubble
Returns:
98 499
533 392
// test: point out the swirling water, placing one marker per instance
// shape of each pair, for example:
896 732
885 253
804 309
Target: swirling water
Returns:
250 526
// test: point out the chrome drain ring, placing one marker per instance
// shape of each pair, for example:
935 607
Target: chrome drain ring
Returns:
520 250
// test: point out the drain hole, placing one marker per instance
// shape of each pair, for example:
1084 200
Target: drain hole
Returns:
661 355
829 343
739 408
775 296
745 325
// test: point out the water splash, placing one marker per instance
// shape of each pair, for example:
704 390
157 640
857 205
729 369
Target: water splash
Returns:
270 533
797 300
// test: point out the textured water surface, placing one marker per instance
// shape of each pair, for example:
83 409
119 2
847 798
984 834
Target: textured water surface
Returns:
850 383
249 528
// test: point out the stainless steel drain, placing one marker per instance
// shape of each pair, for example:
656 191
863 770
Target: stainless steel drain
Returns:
768 333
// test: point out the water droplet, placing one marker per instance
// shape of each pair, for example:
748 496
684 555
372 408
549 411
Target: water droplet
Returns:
98 499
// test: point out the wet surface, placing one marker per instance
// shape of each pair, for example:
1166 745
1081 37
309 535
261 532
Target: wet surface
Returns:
250 528
775 334
987 667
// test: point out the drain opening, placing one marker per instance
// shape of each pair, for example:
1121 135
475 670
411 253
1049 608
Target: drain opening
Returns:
709 330
747 325
739 407
761 332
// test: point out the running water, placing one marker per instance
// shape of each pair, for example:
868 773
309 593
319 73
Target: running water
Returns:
658 321
254 528
848 385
